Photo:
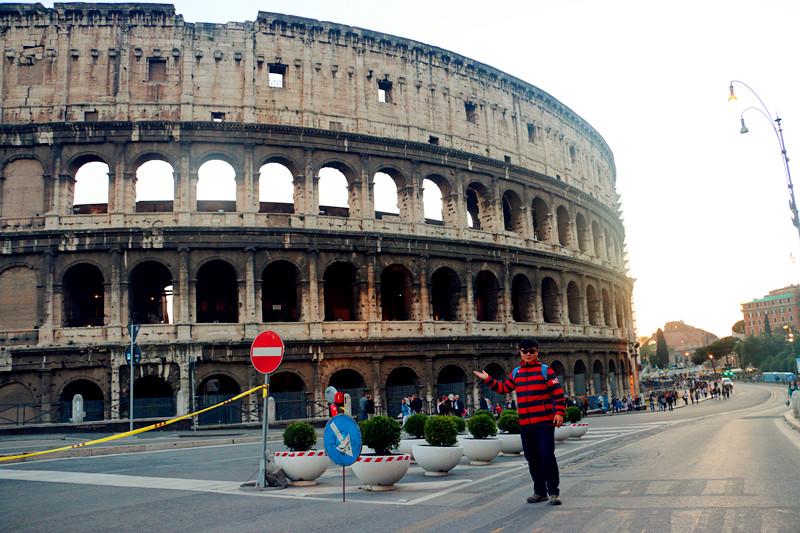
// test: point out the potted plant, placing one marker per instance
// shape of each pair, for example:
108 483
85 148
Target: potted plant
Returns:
440 454
461 425
508 423
482 447
415 427
572 417
381 470
302 464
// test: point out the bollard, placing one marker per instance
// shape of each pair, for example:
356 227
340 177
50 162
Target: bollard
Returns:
271 408
77 409
348 404
795 401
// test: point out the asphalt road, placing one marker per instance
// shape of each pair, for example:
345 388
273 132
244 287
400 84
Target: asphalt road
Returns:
722 465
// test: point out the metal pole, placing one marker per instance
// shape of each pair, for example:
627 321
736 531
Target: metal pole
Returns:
192 364
130 384
262 465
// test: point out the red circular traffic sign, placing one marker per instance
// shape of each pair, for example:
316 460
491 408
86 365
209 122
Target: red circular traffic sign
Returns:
266 352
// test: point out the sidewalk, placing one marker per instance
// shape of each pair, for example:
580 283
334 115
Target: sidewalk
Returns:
678 405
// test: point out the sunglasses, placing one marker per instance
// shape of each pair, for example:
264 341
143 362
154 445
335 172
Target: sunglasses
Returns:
526 350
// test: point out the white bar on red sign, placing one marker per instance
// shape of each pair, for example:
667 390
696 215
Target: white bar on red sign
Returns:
267 352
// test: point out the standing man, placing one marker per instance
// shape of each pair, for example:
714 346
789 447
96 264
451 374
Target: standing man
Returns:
416 404
362 406
369 407
540 402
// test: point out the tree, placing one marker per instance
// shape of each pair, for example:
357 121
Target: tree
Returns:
662 352
767 329
738 327
700 355
648 351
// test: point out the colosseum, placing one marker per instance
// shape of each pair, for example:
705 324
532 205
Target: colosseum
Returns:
470 209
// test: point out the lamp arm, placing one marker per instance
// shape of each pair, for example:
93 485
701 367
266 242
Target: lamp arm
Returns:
763 105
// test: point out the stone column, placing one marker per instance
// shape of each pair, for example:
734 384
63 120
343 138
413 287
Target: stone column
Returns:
247 199
377 387
182 296
429 384
538 312
312 311
45 394
115 308
424 311
249 286
184 385
507 317
476 384
186 182
367 291
47 324
469 316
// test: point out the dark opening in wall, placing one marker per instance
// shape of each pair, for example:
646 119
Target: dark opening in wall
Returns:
277 75
472 111
384 91
217 116
156 69
531 132
433 140
90 116
507 158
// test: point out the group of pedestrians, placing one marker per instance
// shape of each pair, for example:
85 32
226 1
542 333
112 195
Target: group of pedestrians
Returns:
409 406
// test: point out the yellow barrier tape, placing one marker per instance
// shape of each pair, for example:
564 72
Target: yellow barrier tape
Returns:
134 432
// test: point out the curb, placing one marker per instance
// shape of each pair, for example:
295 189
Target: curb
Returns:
791 420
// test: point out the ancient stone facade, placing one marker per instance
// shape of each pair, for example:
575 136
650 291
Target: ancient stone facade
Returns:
529 242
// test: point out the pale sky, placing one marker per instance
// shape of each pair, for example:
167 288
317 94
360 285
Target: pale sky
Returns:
705 209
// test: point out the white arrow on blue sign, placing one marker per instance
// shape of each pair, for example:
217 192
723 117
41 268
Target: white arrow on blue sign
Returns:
133 331
137 353
342 440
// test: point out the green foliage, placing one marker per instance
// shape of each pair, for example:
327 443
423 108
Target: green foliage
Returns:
573 414
767 328
648 351
700 355
440 431
415 425
381 433
509 421
299 436
738 327
461 426
482 426
662 352
769 353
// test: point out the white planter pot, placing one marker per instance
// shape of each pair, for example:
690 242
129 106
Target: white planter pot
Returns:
303 468
579 430
510 443
381 472
437 460
562 433
407 446
481 451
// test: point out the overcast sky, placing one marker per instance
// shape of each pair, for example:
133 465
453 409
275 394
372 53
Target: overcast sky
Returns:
705 208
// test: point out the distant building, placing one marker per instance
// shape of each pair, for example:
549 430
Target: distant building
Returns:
780 307
683 339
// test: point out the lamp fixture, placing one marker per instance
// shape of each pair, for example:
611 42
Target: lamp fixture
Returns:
744 128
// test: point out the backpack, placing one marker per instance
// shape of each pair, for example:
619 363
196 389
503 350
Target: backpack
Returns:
544 372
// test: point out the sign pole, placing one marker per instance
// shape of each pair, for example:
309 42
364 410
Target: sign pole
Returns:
262 465
343 484
130 383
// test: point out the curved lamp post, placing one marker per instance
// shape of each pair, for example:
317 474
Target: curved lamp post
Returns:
776 127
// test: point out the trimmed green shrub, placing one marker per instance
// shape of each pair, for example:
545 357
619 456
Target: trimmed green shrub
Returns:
299 436
440 431
482 426
461 426
509 421
381 433
573 414
415 425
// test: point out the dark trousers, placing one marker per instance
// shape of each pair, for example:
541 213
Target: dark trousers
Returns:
539 446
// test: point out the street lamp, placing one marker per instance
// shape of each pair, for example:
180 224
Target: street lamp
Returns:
779 134
713 366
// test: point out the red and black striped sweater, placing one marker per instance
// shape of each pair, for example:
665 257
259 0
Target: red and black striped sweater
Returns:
538 400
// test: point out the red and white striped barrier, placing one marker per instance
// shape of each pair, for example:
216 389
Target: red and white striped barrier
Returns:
382 458
312 453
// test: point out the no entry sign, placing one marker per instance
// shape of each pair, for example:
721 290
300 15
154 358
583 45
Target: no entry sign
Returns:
266 352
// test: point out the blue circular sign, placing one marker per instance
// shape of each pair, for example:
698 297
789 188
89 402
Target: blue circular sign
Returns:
342 440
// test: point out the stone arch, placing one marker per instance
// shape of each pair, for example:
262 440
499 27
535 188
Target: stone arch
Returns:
583 233
522 299
479 206
512 213
439 201
91 175
606 307
593 303
497 371
93 400
451 379
150 291
214 389
598 240
217 184
21 281
22 189
217 291
560 372
280 292
401 383
84 296
598 377
289 392
18 405
579 378
612 378
540 216
341 292
349 381
446 294
391 196
333 174
155 183
562 223
620 311
153 397
396 293
573 303
276 187
487 292
551 306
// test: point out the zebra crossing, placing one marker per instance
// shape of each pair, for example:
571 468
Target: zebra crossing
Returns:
598 435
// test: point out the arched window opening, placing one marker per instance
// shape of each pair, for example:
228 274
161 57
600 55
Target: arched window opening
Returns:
551 310
216 187
150 294
451 380
606 308
573 303
213 390
91 189
22 189
477 207
386 198
446 294
341 292
217 293
539 215
334 193
23 314
620 309
579 378
275 189
26 407
280 293
598 240
497 372
289 392
155 187
521 299
93 404
609 253
597 379
559 371
350 382
486 294
83 296
512 212
152 398
562 220
583 233
433 203
593 303
401 383
612 377
396 291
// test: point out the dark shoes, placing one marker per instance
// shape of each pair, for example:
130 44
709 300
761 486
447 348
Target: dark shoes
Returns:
536 498
555 500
